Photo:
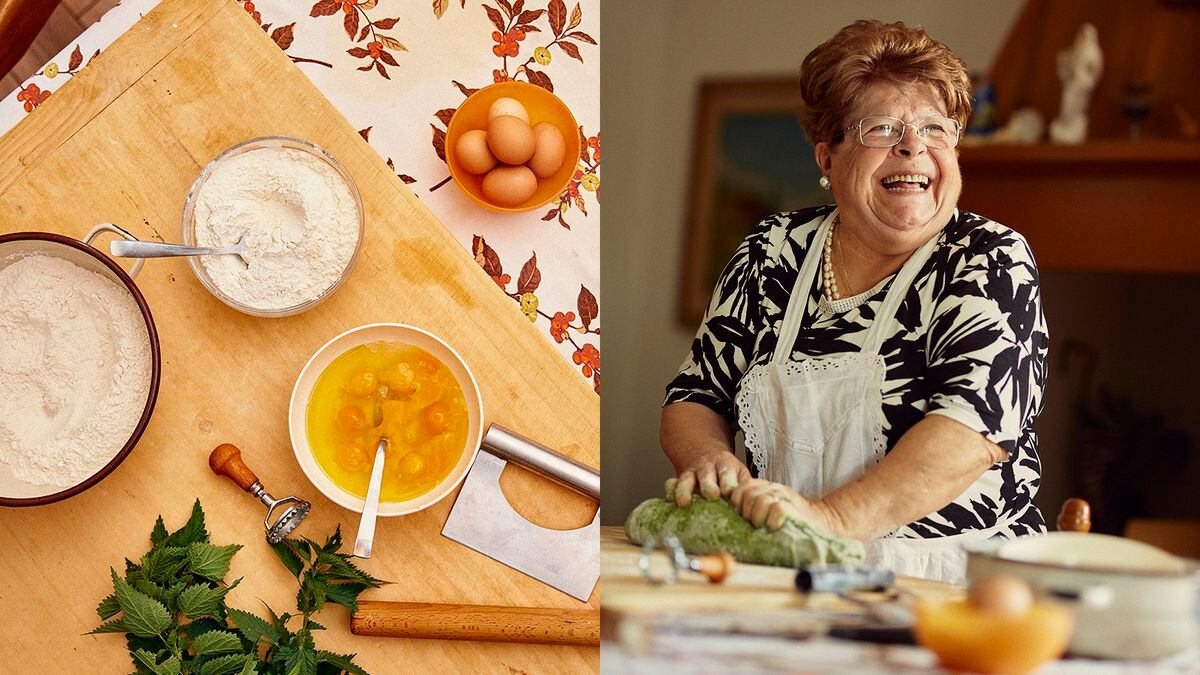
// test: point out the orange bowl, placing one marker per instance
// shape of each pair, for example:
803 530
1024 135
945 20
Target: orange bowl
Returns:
965 638
543 106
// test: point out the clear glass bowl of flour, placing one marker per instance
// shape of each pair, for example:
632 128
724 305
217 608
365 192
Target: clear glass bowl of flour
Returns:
300 212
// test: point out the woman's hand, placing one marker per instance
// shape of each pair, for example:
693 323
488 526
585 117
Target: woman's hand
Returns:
711 475
765 503
699 444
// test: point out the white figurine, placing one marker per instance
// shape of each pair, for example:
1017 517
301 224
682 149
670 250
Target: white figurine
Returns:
1079 68
1023 128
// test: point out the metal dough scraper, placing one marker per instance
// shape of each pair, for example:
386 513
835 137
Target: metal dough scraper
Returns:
482 518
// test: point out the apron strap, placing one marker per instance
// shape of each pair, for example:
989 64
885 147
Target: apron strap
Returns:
793 315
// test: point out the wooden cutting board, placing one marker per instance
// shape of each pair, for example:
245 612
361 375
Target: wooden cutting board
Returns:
759 588
121 142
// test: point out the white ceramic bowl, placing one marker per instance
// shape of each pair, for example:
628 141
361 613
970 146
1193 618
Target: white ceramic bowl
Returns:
385 332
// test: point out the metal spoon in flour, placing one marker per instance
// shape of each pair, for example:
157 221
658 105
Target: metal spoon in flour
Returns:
123 248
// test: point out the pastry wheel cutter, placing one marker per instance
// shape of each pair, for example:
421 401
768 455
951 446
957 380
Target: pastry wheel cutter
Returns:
226 460
482 518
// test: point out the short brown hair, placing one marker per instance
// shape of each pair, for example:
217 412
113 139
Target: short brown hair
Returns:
835 75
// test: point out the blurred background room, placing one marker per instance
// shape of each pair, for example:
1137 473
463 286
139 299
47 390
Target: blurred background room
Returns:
699 99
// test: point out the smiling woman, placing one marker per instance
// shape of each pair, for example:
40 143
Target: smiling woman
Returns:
884 355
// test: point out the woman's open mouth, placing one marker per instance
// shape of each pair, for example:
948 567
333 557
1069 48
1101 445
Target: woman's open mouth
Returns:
906 182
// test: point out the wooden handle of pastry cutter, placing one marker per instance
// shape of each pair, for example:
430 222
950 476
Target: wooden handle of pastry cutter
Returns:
226 460
484 623
717 567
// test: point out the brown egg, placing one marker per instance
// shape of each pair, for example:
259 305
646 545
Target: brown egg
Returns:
508 106
509 186
548 151
1002 595
473 153
510 139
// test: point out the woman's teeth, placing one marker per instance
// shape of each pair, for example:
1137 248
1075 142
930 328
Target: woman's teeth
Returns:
906 182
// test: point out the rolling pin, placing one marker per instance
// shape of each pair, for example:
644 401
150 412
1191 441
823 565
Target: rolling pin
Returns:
483 623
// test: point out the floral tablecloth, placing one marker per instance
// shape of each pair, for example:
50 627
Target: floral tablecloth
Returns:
397 70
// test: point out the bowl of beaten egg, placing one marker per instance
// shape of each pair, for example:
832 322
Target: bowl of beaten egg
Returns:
393 380
512 146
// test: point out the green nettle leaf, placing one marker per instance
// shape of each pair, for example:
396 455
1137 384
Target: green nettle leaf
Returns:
341 661
211 562
341 569
334 541
159 534
200 600
144 616
172 666
164 564
192 532
171 596
228 664
311 597
150 644
107 607
290 560
304 660
169 667
248 669
253 628
345 595
189 632
151 589
114 626
215 642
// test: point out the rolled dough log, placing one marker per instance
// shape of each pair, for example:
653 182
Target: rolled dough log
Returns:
711 525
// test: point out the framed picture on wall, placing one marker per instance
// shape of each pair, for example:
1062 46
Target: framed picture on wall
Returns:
750 158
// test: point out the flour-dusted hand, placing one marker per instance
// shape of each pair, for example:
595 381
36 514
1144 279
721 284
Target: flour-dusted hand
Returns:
772 504
700 445
709 475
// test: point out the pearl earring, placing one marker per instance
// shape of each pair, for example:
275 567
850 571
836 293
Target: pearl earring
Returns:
824 182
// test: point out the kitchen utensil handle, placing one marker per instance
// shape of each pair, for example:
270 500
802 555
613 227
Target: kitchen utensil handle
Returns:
716 567
109 227
515 448
1075 516
365 539
154 249
484 623
226 460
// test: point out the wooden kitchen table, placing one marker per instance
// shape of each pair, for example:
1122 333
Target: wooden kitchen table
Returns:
121 142
755 622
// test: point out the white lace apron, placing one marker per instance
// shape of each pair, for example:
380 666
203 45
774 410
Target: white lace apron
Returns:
816 423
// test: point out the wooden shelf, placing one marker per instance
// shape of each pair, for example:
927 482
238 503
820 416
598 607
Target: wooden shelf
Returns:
1106 152
1105 205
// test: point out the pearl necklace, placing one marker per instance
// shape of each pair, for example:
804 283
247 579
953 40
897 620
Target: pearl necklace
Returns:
830 287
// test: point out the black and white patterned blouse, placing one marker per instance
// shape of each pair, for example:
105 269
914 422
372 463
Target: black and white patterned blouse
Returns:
968 341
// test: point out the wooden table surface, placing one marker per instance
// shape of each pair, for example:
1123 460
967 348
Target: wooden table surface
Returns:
122 143
759 588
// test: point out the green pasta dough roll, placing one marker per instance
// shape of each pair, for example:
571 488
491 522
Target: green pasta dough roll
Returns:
711 525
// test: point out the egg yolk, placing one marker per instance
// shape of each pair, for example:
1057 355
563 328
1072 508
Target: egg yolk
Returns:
388 390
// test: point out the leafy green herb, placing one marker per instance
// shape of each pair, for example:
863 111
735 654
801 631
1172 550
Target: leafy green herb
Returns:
171 607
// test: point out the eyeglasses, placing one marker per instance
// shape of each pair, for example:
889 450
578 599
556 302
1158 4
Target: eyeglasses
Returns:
884 131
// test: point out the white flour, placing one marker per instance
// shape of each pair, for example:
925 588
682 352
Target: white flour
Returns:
300 220
74 370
